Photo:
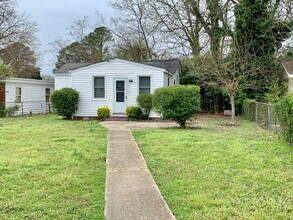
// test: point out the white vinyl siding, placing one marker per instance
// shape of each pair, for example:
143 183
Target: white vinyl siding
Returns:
82 81
33 94
171 80
62 81
290 85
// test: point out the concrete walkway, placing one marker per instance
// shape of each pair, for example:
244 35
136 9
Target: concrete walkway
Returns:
131 192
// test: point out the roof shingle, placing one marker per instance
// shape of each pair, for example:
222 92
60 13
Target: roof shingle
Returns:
71 66
170 65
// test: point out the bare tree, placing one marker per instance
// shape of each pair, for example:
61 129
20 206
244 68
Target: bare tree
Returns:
79 29
285 10
181 29
233 73
134 24
15 26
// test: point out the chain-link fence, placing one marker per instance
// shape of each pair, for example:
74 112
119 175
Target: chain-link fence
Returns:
263 114
24 108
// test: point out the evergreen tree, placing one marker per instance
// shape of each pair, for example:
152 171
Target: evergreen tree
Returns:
92 48
22 61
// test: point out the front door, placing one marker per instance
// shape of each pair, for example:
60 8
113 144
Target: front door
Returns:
120 96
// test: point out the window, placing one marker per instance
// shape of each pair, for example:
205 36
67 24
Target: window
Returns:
99 87
48 94
144 85
18 94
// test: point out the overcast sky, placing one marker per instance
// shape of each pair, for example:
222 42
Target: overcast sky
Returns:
54 16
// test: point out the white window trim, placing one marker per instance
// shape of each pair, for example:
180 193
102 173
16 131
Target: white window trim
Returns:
93 88
151 84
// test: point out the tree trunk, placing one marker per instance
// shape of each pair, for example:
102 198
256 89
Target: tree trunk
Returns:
232 100
182 125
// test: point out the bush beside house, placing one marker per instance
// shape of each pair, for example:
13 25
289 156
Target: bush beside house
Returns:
65 102
145 101
9 111
133 112
103 113
178 103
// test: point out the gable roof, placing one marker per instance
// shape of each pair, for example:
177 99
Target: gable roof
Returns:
171 65
288 66
71 66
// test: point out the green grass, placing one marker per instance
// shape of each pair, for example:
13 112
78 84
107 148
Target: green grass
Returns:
51 168
221 172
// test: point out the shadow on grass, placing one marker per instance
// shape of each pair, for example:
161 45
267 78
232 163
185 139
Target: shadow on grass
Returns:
186 128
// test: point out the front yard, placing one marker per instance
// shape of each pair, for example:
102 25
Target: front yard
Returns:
51 168
221 172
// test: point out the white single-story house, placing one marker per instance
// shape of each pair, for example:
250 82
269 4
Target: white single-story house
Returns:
288 66
31 95
115 83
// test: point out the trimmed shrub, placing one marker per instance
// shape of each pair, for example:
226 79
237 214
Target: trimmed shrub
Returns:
284 110
145 101
103 113
133 112
178 103
65 102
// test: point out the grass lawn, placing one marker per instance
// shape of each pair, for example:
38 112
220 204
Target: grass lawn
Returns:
51 168
221 172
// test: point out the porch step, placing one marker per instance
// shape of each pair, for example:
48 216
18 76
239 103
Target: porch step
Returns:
117 118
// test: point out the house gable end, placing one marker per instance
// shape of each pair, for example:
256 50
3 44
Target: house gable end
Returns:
115 63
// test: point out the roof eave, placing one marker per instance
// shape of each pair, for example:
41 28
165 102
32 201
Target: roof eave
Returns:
168 72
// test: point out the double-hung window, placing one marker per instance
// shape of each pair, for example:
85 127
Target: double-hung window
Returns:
144 85
99 87
47 95
18 94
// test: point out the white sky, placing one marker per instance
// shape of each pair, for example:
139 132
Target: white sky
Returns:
54 16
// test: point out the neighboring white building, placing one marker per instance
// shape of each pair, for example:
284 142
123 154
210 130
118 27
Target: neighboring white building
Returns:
115 83
31 95
288 66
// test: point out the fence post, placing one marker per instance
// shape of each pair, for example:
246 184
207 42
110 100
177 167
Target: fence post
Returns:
269 117
21 108
247 112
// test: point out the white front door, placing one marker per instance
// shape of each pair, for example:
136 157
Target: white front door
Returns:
119 96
